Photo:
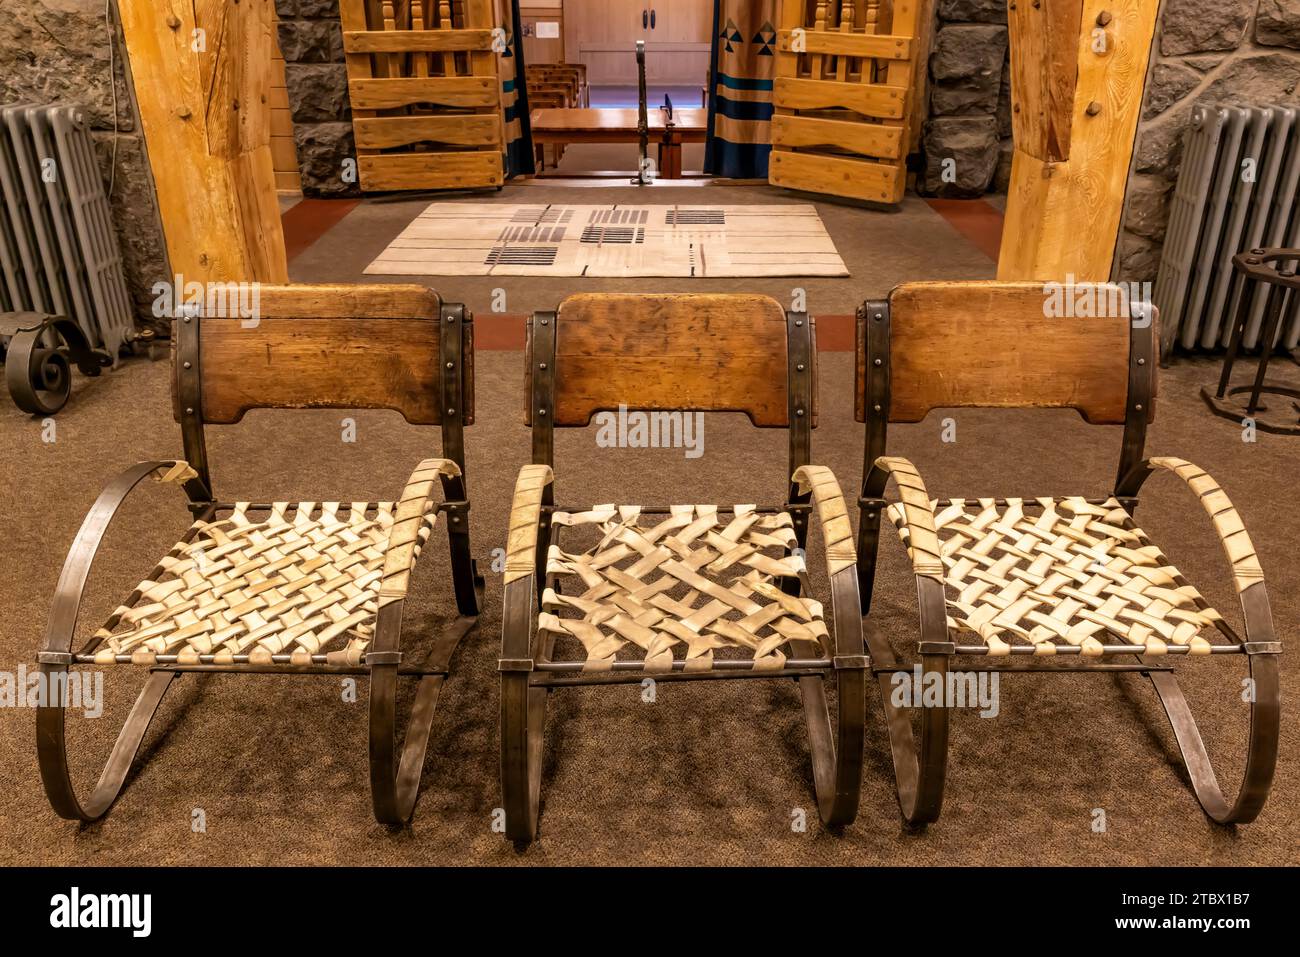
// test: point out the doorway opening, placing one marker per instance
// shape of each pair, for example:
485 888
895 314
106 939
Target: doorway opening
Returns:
584 85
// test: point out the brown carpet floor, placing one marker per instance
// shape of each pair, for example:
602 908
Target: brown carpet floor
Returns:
708 774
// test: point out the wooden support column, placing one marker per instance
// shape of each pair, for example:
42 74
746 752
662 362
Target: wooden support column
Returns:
202 76
919 98
1077 97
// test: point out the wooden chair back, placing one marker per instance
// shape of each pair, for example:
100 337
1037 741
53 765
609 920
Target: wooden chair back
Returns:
694 352
1007 345
255 346
563 88
324 346
547 99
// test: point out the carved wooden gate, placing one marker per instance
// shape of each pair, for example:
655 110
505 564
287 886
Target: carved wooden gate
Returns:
426 99
844 79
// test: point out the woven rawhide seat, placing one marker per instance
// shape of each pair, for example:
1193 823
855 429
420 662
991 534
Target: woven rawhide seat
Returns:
278 587
1060 571
598 595
700 579
301 580
1062 584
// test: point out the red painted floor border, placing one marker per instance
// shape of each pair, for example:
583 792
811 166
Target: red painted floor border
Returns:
309 219
979 221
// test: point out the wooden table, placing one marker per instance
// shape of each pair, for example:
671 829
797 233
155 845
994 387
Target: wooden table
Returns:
595 125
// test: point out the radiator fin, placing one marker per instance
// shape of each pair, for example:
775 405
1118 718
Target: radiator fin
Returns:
58 250
1237 190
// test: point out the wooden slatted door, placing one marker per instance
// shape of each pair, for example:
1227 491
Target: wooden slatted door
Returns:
844 75
426 98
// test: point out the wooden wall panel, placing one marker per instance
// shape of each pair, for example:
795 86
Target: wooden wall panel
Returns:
538 49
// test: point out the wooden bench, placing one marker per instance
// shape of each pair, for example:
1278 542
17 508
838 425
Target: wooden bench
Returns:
564 126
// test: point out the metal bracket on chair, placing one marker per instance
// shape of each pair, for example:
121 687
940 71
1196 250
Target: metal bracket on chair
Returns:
851 662
383 657
875 336
798 512
454 317
801 389
541 413
457 514
54 657
1262 647
936 648
189 389
515 664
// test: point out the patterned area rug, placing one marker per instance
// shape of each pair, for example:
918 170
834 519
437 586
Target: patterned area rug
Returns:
498 239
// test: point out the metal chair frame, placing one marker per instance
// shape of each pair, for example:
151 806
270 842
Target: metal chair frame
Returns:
529 675
394 774
920 767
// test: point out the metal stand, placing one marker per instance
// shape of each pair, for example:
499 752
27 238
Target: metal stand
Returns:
642 120
39 359
1272 273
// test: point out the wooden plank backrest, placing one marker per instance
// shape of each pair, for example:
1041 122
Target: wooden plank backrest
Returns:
326 346
1001 344
710 353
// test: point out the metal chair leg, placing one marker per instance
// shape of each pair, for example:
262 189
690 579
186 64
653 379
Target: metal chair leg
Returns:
523 724
1262 746
836 753
52 750
394 778
919 771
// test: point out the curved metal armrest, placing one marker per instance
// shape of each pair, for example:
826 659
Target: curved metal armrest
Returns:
76 568
917 512
837 530
1237 546
1261 647
841 559
525 520
410 531
531 490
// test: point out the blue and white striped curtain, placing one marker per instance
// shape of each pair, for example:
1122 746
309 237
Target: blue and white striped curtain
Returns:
743 66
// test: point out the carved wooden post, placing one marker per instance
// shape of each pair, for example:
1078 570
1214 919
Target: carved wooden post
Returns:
819 25
1078 70
202 72
846 26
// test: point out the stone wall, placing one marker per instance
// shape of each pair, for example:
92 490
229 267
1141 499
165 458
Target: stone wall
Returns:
59 50
1233 52
311 41
970 101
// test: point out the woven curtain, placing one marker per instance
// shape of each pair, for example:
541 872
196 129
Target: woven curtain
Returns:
740 105
514 94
